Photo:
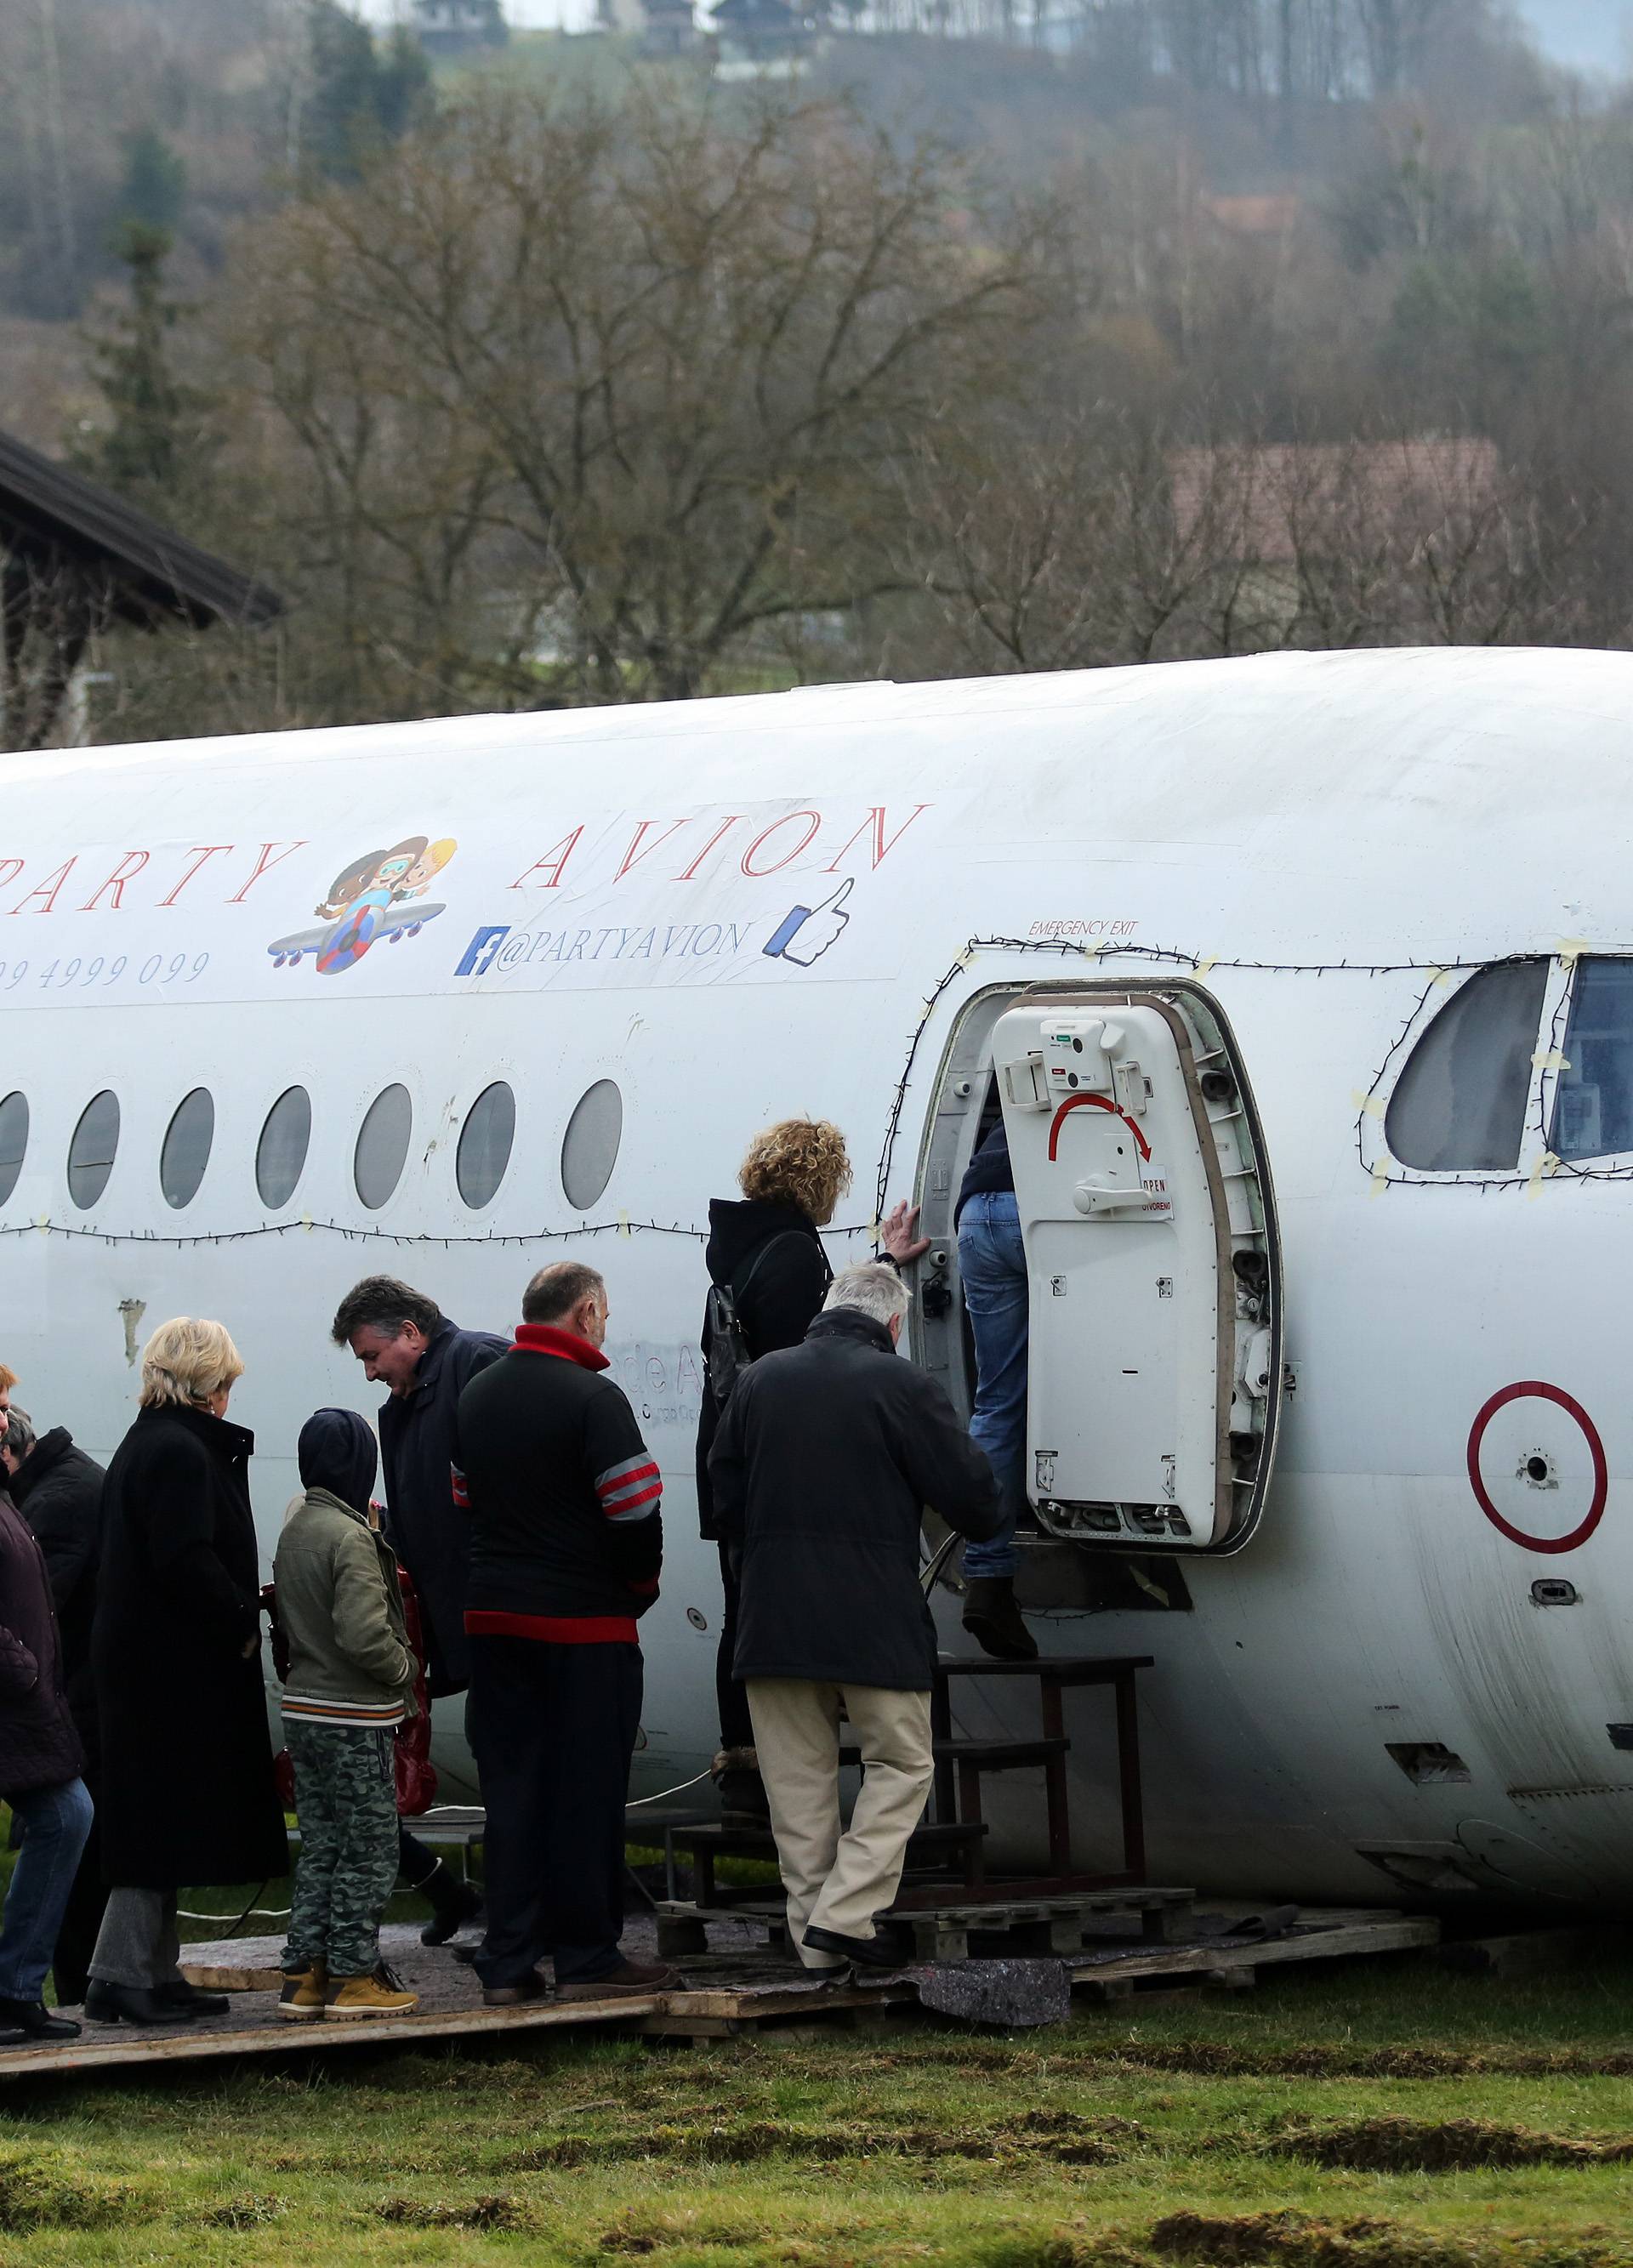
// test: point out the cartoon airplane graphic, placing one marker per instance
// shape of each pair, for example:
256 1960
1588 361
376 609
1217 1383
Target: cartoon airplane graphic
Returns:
379 899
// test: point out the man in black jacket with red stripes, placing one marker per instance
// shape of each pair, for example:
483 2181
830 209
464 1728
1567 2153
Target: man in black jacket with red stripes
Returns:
567 1540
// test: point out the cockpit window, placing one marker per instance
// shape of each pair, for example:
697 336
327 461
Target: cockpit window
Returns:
1594 1101
1460 1105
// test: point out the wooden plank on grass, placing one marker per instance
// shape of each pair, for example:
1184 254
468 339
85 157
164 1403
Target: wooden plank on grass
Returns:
120 2046
1391 1933
211 1978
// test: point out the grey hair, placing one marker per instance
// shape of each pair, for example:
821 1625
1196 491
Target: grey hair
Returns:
19 1435
871 1288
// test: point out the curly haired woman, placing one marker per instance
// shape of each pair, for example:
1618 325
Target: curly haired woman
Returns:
766 1249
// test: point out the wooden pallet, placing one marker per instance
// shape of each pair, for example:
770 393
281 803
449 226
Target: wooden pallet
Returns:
732 1992
956 1927
1327 1934
1108 1974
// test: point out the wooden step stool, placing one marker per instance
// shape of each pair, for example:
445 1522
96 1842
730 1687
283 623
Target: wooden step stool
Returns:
961 1764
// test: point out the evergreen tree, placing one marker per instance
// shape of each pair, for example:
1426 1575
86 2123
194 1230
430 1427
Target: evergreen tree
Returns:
154 188
362 95
155 446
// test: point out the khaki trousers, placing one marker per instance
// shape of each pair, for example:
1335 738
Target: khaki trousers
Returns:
839 1881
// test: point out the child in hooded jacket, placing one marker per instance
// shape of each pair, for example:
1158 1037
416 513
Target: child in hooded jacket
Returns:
349 1685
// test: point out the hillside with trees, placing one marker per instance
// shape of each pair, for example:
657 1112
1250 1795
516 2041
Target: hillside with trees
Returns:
1003 336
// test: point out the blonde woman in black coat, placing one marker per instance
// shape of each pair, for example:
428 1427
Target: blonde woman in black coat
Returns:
188 1791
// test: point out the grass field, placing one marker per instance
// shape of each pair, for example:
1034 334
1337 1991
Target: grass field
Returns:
1392 2116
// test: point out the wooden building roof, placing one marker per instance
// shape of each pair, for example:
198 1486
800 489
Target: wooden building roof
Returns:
141 571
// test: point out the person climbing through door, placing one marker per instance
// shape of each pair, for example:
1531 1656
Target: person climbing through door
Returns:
992 1262
766 1254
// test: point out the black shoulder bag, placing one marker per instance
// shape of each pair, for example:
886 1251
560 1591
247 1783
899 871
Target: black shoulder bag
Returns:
728 1355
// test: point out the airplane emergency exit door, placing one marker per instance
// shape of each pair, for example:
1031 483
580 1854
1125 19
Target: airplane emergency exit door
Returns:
1155 1292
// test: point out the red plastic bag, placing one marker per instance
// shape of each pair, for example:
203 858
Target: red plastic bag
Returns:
417 1775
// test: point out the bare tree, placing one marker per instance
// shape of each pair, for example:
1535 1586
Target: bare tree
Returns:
1071 544
1104 542
589 397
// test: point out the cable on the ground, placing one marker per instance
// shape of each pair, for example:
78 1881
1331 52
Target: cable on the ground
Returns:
268 1913
679 1789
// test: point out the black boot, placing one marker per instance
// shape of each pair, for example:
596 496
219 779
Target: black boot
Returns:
994 1620
192 1999
34 2020
131 2004
743 1801
454 1905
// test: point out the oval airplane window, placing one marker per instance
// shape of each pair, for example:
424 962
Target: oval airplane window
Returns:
589 1148
281 1153
185 1150
1594 1101
13 1142
484 1144
91 1152
1460 1105
382 1146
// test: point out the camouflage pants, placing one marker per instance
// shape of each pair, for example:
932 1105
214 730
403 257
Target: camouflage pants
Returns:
346 1794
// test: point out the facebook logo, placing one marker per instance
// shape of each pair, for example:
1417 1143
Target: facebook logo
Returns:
478 955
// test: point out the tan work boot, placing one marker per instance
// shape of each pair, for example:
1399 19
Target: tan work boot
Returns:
378 1994
301 2000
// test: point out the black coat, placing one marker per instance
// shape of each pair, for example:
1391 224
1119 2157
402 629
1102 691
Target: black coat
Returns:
776 1308
417 1433
188 1793
825 1457
39 1746
58 1489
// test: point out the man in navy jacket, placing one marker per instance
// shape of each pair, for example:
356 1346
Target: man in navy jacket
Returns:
405 1343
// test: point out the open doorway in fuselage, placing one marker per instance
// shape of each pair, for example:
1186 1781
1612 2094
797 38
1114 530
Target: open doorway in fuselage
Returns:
1154 1265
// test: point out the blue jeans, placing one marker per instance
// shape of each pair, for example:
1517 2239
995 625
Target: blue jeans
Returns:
56 1822
992 1260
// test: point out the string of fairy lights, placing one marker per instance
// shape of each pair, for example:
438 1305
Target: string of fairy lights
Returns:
1097 956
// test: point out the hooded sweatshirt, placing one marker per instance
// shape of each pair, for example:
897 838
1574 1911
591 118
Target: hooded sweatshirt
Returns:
339 1602
770 1254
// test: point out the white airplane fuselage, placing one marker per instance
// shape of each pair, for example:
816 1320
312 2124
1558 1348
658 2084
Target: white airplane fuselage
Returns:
740 910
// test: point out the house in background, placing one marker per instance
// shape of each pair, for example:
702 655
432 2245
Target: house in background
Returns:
669 28
1312 543
75 560
765 39
1269 502
1272 215
452 28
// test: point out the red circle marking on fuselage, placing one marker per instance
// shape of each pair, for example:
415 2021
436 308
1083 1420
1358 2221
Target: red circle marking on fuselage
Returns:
1537 1388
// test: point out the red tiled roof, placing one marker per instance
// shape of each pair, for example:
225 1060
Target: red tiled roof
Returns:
1262 216
1267 498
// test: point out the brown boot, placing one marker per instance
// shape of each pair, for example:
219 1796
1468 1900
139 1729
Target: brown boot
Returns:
994 1620
628 1979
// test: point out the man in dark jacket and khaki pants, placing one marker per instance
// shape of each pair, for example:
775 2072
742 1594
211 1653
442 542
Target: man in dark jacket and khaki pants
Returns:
826 1455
